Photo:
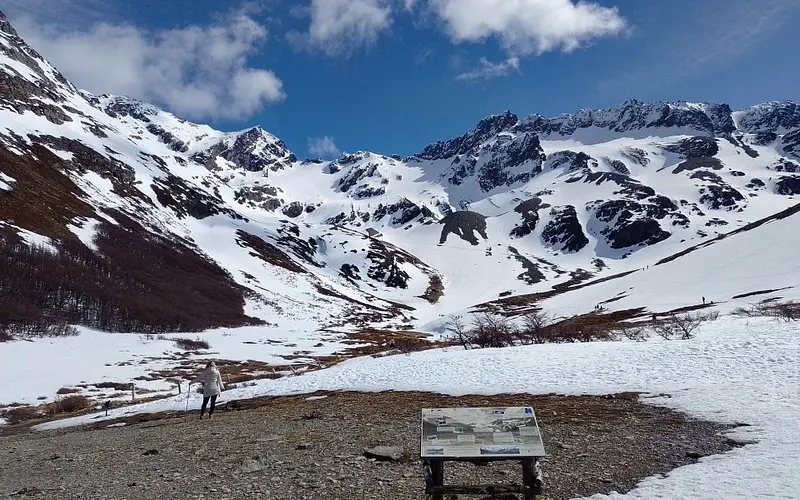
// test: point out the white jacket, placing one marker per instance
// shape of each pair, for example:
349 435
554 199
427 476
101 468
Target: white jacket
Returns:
211 380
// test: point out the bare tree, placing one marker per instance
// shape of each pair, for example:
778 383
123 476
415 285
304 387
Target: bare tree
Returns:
534 327
492 331
458 329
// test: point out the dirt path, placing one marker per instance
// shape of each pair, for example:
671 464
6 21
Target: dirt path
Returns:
294 448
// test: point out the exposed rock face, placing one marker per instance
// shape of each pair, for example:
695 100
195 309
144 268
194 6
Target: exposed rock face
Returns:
485 130
636 115
256 151
186 201
630 224
529 210
784 165
788 185
791 144
403 212
167 138
294 209
259 195
564 232
716 194
570 161
770 117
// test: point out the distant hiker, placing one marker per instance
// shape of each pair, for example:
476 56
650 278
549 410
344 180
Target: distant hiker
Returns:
212 387
704 300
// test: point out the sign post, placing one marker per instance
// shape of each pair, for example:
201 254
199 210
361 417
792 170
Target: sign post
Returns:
481 435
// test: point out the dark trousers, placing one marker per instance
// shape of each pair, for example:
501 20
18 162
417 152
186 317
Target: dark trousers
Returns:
205 403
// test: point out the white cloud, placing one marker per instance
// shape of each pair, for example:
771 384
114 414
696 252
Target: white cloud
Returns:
196 71
529 26
488 70
323 147
523 27
340 27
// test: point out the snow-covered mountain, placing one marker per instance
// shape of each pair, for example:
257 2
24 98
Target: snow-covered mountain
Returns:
141 220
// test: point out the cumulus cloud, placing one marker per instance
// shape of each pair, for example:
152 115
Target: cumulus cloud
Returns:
340 27
196 71
529 26
523 27
488 70
322 147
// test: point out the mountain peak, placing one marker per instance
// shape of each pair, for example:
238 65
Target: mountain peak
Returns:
770 117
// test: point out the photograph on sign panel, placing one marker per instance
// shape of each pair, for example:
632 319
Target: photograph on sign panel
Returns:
480 432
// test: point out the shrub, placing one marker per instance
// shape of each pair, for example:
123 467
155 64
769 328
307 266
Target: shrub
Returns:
21 414
5 336
119 386
69 404
191 345
41 328
492 331
683 324
68 390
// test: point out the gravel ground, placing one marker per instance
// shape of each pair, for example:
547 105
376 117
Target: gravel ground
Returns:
294 448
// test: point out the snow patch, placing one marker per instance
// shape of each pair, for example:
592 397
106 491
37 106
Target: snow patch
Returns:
6 182
35 239
85 230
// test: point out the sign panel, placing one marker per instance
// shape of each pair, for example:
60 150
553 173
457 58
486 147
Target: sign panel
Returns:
505 432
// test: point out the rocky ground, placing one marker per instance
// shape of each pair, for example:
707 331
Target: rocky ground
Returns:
300 448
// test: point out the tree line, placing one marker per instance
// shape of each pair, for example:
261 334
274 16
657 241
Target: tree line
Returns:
136 281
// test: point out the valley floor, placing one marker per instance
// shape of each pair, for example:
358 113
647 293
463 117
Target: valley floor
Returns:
736 370
311 447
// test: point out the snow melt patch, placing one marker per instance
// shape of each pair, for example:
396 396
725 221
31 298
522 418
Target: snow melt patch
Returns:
6 182
35 239
64 155
735 370
85 230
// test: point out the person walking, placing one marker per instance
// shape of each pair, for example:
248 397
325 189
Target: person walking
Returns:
212 387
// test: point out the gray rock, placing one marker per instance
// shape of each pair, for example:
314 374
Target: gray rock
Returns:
385 453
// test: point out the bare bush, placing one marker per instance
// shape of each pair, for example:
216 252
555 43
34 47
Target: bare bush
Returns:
787 311
584 328
191 345
42 328
492 331
534 327
745 312
68 390
21 414
636 333
683 325
69 404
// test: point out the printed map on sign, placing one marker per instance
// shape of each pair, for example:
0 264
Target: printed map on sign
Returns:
480 433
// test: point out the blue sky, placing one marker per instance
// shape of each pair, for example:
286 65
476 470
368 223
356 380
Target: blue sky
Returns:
394 75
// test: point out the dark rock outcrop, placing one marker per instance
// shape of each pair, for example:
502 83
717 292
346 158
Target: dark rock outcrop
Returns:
564 231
